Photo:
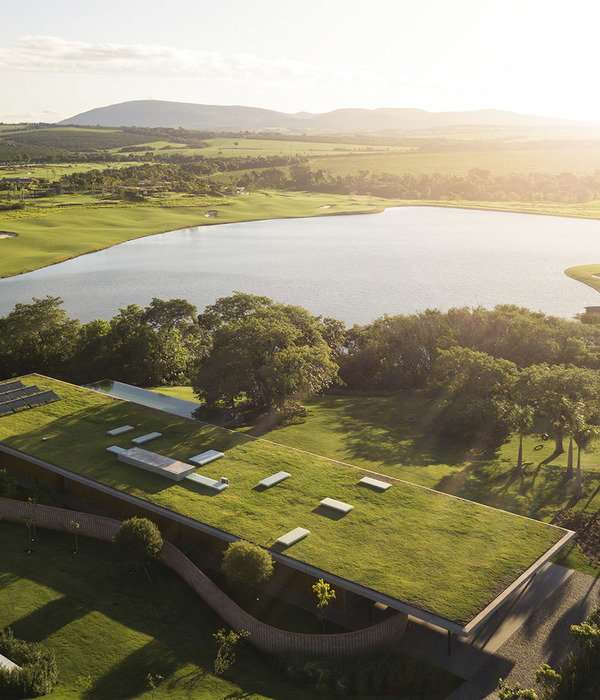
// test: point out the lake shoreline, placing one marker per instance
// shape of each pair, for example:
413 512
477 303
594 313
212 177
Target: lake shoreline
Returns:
409 259
541 209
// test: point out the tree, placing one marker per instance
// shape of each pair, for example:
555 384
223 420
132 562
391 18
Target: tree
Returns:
226 644
144 352
274 354
554 389
583 432
75 525
37 337
138 541
523 419
325 594
477 402
153 680
246 565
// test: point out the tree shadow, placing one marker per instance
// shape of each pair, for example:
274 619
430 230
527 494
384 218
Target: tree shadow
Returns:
178 623
51 617
128 678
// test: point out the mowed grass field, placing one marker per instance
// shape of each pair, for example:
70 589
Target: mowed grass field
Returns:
59 233
579 161
444 555
113 628
55 171
242 147
588 274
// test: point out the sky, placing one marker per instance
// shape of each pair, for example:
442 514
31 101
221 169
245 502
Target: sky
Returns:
60 58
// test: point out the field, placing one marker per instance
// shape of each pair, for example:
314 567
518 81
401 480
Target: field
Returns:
444 555
242 147
54 171
580 161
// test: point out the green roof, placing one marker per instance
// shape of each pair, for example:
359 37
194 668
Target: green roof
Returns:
442 554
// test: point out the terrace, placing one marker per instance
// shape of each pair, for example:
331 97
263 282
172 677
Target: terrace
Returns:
443 559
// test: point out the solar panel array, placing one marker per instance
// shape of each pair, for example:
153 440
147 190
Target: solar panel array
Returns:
15 396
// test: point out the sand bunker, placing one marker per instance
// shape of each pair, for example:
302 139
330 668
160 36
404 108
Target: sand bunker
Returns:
6 234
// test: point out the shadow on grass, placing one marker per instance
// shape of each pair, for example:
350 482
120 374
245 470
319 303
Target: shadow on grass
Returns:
45 621
129 677
91 585
330 513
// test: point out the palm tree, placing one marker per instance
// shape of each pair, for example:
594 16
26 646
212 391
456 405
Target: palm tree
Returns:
524 418
583 433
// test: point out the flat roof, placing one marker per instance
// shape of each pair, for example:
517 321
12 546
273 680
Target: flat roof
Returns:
440 557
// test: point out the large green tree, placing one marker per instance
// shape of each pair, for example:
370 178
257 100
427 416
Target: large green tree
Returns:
476 403
38 337
273 354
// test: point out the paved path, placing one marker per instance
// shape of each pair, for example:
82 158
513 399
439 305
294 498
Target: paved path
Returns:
543 638
470 654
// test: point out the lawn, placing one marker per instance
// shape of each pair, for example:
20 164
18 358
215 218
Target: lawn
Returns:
588 274
52 234
447 556
386 434
117 627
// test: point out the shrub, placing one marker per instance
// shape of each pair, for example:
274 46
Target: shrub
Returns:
246 565
38 673
138 541
380 671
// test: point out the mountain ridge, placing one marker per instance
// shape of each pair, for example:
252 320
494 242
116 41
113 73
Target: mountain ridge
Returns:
163 113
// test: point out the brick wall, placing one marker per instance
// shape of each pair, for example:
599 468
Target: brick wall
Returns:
266 638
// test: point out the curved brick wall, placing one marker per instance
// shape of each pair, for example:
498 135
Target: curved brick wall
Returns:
266 638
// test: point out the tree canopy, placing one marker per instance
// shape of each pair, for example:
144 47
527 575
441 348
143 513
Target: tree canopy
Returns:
138 541
246 565
272 353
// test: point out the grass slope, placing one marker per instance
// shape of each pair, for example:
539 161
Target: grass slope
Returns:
116 627
442 554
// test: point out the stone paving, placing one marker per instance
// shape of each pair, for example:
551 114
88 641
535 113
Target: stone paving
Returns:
543 638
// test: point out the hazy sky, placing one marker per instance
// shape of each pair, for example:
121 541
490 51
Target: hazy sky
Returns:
533 56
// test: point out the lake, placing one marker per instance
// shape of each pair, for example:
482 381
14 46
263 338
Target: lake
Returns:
355 268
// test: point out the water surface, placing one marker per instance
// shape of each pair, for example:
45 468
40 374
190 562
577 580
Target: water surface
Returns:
355 268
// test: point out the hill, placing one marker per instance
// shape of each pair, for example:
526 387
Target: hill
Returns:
157 113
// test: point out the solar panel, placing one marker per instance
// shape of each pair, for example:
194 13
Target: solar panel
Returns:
15 394
10 386
49 396
32 401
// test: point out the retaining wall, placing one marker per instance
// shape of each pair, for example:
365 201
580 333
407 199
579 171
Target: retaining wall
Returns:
266 638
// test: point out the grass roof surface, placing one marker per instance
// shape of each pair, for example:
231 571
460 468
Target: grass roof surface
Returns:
444 555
